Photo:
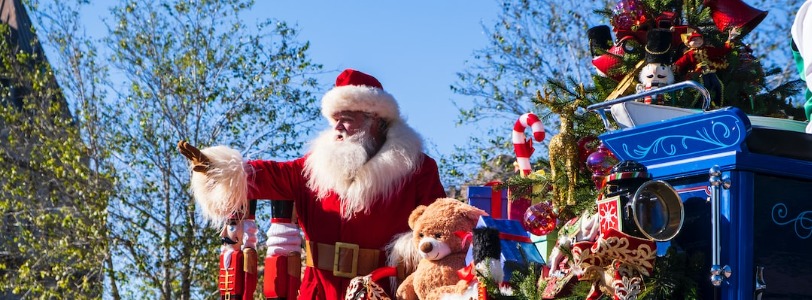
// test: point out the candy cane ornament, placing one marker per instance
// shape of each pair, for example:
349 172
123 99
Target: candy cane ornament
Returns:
524 146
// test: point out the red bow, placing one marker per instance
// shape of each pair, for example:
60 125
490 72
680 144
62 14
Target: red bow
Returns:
514 237
468 274
465 236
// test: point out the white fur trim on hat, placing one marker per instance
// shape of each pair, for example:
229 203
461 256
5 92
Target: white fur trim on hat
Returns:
359 98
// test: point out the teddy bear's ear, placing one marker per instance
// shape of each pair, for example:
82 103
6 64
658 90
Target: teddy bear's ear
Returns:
471 212
416 213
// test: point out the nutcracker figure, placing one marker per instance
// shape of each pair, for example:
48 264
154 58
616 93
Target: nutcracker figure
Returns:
232 274
705 60
283 264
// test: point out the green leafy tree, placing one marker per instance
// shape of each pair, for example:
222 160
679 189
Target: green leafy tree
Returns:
532 42
164 71
55 186
195 71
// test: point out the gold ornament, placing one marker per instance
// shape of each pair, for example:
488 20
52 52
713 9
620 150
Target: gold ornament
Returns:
625 85
563 147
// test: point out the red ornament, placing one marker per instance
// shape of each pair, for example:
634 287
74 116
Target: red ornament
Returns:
629 19
540 219
586 145
600 162
729 14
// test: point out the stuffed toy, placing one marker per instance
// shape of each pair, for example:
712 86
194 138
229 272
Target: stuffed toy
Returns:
438 235
705 60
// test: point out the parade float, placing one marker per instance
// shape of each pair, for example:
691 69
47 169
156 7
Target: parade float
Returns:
694 185
677 174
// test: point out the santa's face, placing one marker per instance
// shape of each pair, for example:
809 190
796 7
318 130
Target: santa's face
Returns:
349 123
345 148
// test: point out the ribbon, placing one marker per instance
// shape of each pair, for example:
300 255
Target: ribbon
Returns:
496 200
467 274
514 237
524 150
465 236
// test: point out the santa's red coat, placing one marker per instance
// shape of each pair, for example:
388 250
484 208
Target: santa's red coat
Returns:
321 220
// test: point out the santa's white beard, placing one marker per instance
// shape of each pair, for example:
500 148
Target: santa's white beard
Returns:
334 164
347 156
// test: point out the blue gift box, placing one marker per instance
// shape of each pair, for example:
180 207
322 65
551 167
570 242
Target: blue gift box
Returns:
480 197
518 252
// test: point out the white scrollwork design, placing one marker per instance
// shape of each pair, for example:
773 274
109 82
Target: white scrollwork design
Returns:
718 136
802 223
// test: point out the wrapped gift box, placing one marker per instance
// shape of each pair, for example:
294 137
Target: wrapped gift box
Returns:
486 198
545 243
518 252
482 197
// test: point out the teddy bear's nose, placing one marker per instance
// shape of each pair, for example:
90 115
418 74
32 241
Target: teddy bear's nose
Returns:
426 247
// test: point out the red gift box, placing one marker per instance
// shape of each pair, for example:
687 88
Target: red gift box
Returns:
487 198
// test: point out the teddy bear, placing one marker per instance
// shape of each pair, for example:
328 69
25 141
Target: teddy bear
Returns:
437 233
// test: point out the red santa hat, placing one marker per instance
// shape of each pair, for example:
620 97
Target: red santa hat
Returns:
358 91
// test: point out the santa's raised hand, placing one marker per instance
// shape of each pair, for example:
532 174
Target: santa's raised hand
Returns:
200 163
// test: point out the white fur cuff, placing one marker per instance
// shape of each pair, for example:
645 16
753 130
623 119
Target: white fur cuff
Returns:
222 191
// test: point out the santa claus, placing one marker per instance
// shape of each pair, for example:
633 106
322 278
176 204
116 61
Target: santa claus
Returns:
352 192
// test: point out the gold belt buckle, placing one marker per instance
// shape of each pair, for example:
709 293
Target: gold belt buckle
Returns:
337 265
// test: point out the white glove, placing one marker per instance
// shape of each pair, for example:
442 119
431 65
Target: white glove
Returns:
283 238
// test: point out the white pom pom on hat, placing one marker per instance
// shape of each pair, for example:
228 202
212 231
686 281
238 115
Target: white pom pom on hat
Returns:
358 91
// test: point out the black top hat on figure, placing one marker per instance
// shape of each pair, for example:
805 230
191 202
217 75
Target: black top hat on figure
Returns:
658 46
600 39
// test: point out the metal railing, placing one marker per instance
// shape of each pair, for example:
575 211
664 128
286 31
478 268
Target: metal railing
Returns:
600 108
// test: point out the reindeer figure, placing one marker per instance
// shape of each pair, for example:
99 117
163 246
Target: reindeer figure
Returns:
563 146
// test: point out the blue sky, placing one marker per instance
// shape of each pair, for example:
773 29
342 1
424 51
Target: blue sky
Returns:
414 48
